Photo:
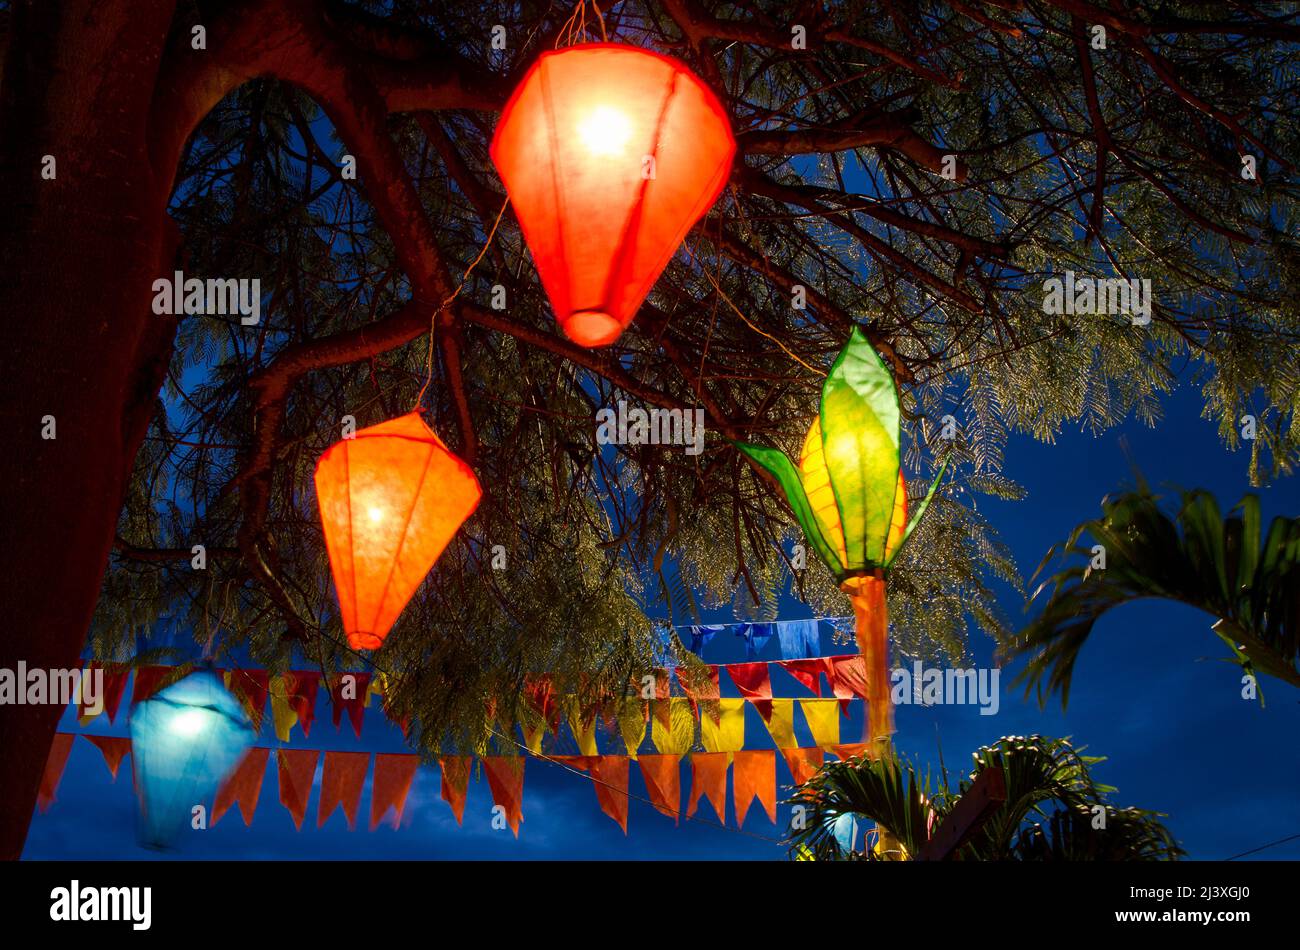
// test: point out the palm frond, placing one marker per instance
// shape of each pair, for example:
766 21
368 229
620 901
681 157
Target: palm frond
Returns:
1196 557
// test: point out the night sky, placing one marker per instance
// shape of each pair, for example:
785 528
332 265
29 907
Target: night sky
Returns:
1151 693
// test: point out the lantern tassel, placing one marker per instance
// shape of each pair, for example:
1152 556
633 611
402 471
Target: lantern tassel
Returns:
871 617
867 594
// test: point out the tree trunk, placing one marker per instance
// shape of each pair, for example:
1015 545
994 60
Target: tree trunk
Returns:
78 254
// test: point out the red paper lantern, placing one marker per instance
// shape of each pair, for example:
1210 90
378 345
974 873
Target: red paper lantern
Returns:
390 498
609 154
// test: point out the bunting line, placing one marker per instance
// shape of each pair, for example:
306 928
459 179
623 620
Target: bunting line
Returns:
344 774
293 697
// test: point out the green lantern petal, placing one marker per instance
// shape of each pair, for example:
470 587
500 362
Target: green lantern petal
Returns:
774 462
920 510
860 418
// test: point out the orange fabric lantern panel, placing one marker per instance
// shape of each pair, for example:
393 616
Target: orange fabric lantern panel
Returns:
390 498
609 154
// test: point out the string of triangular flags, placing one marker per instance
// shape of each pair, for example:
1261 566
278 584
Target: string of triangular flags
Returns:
293 698
343 779
797 639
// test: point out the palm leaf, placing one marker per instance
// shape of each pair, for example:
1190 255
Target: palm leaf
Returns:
1196 557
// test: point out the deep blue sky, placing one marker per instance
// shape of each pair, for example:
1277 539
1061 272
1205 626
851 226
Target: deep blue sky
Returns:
1150 693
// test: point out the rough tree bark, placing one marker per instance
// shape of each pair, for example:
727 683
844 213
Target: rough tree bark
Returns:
78 253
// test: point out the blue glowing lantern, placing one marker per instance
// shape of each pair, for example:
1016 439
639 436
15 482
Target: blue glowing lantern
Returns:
185 740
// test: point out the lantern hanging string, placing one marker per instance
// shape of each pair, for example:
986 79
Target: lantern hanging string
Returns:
428 360
575 27
721 293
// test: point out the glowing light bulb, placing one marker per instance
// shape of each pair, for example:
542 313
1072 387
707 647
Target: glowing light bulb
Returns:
189 723
605 131
376 514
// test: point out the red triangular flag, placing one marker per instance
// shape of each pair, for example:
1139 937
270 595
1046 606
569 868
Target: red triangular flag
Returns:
114 748
848 679
301 686
803 763
54 765
505 775
297 772
147 681
115 676
700 684
709 778
341 783
663 782
251 686
244 786
455 783
394 773
356 685
541 696
809 672
851 750
401 721
754 776
609 775
754 684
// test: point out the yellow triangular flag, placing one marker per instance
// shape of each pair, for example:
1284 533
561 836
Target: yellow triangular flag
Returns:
678 737
728 733
781 725
823 718
584 732
631 725
282 714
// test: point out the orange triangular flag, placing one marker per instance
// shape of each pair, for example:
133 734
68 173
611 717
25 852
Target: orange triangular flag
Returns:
54 765
394 773
663 782
301 686
114 748
709 778
505 775
297 772
341 783
455 783
754 776
850 750
244 786
147 681
348 692
803 763
609 775
115 677
251 687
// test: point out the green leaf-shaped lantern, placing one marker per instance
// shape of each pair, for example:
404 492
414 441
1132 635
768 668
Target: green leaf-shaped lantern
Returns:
847 491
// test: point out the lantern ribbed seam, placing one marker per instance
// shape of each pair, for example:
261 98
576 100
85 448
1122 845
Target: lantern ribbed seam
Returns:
352 545
615 275
561 212
415 499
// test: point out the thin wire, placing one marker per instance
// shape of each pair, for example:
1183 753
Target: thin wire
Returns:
721 293
428 362
1264 847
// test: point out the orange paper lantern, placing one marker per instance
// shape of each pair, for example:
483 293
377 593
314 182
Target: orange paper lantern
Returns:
390 498
609 154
